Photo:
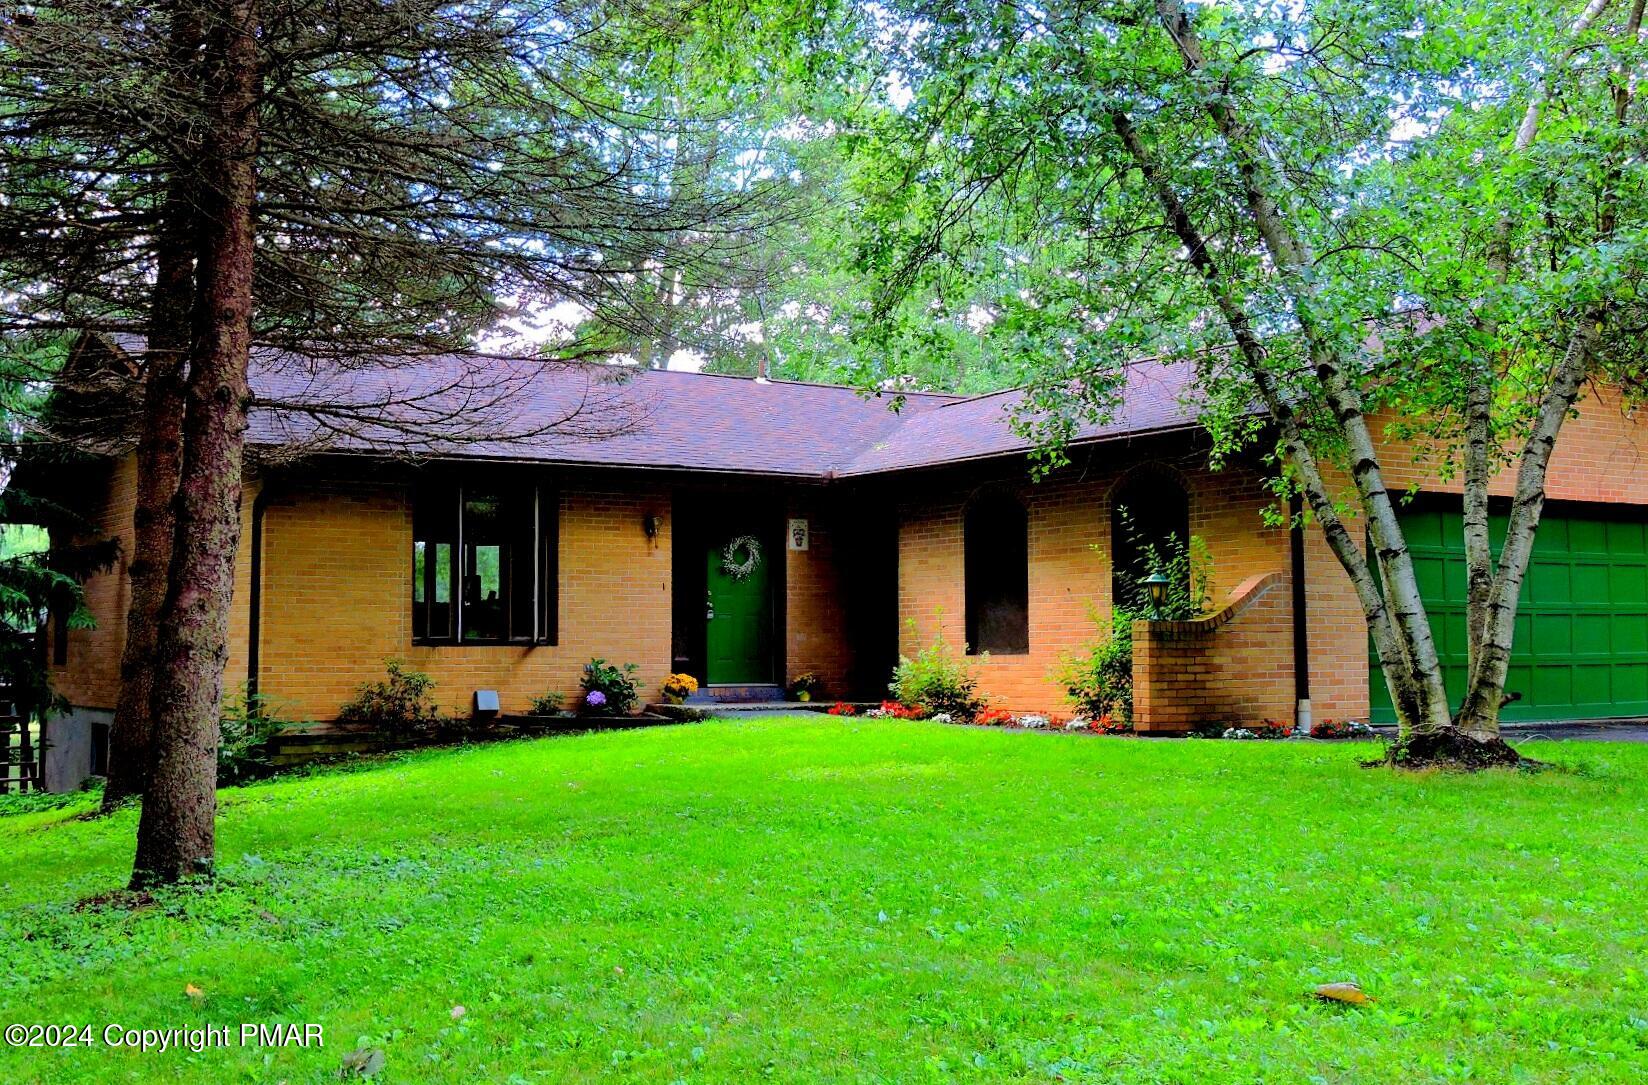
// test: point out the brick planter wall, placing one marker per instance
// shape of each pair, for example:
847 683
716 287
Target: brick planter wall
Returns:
1235 665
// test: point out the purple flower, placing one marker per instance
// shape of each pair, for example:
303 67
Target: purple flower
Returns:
595 698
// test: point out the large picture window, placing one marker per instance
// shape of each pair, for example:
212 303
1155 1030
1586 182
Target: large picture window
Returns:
484 565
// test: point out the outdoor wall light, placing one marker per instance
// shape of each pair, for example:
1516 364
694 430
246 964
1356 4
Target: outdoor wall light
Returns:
652 524
1156 585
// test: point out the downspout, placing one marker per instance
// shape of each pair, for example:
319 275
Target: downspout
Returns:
1301 638
254 602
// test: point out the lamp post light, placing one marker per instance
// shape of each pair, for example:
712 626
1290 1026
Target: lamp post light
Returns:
1156 585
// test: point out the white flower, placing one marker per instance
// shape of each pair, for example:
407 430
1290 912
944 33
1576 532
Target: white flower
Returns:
1078 724
942 717
1032 723
1239 732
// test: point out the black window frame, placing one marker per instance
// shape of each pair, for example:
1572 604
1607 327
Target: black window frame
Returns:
545 524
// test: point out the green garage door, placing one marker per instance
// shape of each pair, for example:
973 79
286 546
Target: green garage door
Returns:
1582 627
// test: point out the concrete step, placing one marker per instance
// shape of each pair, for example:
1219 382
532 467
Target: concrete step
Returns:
738 694
718 710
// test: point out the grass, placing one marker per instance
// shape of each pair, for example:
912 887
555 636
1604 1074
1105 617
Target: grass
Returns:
822 900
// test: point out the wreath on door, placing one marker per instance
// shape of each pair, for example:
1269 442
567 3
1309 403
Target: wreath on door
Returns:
740 556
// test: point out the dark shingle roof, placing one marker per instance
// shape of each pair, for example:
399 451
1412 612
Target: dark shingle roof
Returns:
1154 399
478 406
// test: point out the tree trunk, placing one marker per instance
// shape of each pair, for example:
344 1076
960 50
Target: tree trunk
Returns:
159 453
1401 587
1479 713
1484 694
1405 695
176 834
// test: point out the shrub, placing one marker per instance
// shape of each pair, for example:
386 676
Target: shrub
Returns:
1187 566
248 722
546 704
938 680
608 690
401 705
1099 681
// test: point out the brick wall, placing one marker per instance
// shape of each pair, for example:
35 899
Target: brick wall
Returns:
337 599
1233 666
815 628
91 678
1069 526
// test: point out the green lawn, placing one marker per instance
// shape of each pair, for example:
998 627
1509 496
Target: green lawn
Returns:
817 900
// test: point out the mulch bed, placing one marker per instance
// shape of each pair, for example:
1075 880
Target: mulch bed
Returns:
1453 750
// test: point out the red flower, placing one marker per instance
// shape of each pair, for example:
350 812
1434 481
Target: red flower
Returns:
842 708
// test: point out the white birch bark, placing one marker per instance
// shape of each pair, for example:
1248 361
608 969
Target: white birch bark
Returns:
1293 260
1394 661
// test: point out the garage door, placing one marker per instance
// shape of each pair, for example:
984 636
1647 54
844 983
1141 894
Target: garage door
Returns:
1582 627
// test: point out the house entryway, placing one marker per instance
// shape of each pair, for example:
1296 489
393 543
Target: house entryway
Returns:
738 611
729 583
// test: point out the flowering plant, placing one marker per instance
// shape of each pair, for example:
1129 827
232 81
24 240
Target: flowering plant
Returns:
1238 733
994 717
803 686
841 708
680 686
893 710
1033 722
1272 729
1113 725
1339 728
616 686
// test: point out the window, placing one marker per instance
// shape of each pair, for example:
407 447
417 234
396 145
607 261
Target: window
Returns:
1147 510
997 542
483 565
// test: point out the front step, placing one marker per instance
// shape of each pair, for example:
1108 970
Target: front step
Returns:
724 710
752 694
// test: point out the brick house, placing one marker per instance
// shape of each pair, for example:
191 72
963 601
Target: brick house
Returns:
501 562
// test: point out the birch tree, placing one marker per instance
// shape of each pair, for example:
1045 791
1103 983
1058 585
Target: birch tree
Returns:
1328 206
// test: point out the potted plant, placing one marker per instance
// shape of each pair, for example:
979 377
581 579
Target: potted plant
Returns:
678 687
803 686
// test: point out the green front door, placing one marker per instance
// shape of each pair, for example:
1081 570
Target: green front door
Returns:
738 638
1581 648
